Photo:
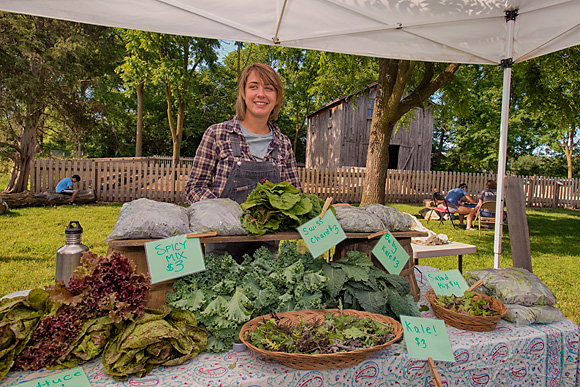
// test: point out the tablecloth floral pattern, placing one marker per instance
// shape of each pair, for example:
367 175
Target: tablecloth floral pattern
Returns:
536 355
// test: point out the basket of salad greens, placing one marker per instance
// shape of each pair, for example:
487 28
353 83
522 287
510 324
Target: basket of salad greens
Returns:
320 339
471 312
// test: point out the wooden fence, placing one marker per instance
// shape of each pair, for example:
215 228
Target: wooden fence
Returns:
156 178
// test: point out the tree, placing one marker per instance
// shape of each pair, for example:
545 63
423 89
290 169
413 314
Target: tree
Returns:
402 86
173 62
553 88
47 66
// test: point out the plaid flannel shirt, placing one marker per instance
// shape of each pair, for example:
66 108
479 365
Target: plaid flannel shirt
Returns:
214 160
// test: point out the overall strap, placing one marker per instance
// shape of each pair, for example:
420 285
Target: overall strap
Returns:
236 145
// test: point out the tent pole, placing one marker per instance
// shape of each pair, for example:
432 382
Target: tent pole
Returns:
506 64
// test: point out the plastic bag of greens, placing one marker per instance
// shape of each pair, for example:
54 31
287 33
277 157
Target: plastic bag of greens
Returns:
355 219
393 219
219 215
145 219
526 315
513 285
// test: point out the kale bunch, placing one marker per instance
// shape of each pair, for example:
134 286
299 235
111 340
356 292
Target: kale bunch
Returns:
227 294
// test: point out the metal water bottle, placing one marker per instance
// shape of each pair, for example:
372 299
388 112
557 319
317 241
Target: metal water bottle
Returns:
68 257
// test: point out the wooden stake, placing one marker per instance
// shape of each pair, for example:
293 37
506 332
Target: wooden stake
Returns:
434 373
202 234
376 234
475 285
325 207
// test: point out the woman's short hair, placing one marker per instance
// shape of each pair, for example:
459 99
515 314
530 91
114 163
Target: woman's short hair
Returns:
270 77
491 184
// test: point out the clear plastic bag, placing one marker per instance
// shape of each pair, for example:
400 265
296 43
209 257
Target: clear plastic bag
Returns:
513 285
219 215
393 219
355 219
149 219
526 315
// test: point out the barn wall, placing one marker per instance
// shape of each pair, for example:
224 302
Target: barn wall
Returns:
338 136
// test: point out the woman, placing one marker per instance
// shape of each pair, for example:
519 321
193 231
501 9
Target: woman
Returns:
489 194
235 155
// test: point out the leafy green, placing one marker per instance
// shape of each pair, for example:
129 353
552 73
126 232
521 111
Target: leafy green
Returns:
158 337
278 207
470 304
228 294
332 334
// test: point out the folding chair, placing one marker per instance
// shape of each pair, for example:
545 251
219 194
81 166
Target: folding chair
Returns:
441 207
489 207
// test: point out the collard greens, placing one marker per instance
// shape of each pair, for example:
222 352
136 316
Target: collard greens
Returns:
278 207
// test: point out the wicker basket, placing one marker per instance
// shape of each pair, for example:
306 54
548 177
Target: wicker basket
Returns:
463 321
322 361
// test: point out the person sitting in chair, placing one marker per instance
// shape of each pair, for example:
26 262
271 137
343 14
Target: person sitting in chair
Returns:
65 186
489 194
454 196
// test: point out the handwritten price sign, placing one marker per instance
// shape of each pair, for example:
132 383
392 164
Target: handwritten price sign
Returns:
426 337
320 235
390 253
174 257
446 283
74 377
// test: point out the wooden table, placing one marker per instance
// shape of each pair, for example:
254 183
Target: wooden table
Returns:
134 249
452 248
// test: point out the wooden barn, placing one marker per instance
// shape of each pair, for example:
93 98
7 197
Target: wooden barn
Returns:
338 136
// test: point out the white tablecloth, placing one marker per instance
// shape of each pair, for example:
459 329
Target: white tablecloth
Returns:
536 355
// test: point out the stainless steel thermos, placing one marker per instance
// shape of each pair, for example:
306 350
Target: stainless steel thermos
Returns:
68 257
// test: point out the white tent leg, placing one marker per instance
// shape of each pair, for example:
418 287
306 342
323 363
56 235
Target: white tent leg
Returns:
503 134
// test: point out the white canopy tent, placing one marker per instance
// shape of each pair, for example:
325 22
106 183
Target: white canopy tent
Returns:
462 31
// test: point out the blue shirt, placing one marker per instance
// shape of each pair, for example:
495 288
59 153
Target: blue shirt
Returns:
455 194
64 184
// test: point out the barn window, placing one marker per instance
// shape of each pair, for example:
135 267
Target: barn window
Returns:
370 108
394 156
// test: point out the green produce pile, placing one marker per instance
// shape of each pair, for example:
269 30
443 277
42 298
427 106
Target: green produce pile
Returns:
227 294
333 334
469 304
278 207
64 326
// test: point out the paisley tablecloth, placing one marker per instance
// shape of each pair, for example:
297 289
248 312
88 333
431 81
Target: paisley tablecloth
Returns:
536 355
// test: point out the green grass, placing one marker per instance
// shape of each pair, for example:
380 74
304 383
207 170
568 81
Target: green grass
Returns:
31 237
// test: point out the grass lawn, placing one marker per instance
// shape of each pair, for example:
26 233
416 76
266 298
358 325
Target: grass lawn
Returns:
31 237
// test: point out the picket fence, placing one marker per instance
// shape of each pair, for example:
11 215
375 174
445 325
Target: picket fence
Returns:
157 178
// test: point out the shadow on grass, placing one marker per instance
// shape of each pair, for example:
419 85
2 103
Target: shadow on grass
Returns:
10 214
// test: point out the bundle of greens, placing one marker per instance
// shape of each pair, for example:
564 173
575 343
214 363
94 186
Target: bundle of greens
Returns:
100 287
158 337
469 304
227 294
278 207
19 317
359 285
334 334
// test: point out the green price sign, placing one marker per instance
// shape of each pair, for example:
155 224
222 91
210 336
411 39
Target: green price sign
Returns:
446 283
174 257
75 377
426 338
390 253
320 235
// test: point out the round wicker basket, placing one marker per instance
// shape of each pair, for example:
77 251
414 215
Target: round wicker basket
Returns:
463 321
322 361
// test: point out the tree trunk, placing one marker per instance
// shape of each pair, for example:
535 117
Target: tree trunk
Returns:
139 132
390 106
24 155
28 199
